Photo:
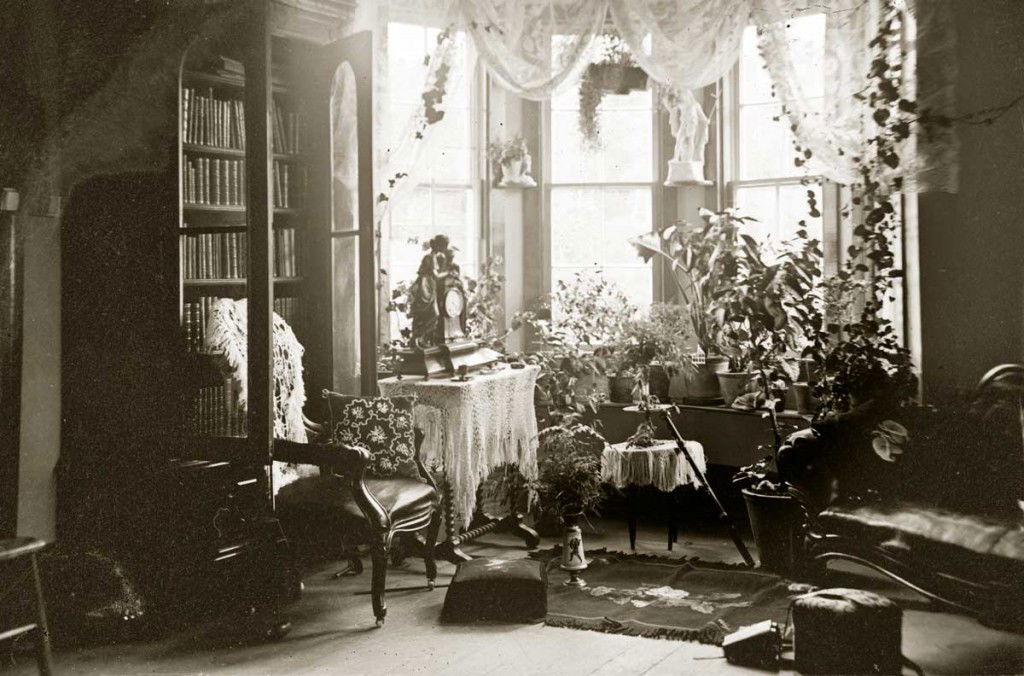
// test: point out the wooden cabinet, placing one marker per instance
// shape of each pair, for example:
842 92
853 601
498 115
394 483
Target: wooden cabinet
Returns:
289 178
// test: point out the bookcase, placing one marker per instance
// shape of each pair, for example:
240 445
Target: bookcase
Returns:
315 290
213 239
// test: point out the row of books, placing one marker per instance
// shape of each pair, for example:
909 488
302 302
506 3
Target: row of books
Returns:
288 309
198 312
221 182
216 412
223 255
220 123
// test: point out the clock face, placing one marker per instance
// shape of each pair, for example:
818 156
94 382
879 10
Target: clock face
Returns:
453 303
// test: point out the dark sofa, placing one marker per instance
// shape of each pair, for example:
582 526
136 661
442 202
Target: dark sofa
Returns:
942 517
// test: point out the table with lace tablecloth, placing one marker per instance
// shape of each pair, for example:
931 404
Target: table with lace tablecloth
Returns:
470 428
661 466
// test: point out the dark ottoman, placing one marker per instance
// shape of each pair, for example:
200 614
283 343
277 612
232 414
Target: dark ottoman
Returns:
503 590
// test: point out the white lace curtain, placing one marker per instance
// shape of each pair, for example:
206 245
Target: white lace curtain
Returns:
533 46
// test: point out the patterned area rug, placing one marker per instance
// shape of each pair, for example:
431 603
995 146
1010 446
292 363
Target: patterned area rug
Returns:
662 597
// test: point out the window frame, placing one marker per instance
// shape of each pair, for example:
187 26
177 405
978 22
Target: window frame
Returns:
831 192
546 184
477 183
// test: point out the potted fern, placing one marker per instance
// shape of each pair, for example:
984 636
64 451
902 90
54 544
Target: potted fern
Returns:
615 72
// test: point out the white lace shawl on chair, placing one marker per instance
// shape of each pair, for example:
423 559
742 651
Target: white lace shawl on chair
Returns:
226 333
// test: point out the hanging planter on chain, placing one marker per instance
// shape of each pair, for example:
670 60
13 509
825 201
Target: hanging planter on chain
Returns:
615 73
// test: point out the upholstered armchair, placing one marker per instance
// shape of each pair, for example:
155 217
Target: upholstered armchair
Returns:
383 488
935 509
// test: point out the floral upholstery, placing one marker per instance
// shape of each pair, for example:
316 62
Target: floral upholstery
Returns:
381 425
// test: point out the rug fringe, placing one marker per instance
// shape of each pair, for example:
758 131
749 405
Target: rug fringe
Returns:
710 634
556 551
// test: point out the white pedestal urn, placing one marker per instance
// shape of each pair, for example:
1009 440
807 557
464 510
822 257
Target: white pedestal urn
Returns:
574 559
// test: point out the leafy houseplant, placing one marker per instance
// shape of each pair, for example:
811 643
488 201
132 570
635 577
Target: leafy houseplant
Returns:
512 160
569 471
854 345
704 261
614 72
775 516
653 348
760 315
575 328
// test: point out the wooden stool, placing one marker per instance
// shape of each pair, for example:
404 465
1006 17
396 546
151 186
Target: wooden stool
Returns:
14 548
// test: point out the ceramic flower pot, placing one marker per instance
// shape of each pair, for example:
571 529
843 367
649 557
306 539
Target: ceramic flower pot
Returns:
659 382
777 527
702 387
621 389
590 384
732 385
803 397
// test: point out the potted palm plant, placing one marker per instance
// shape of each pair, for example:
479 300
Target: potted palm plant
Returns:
703 261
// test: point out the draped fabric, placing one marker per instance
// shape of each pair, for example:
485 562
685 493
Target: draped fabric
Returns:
471 428
533 46
838 130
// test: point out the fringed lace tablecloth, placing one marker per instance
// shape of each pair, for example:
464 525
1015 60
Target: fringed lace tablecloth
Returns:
472 427
659 465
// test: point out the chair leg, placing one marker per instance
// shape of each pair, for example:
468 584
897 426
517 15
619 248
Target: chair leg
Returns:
42 629
428 550
379 557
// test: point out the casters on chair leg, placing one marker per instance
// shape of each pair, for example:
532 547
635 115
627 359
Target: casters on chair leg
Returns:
380 621
430 585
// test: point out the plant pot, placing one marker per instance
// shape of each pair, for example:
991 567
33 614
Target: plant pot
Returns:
621 389
516 174
777 527
658 382
803 397
622 79
702 386
809 372
589 385
732 385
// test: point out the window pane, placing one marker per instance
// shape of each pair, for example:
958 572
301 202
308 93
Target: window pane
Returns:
779 210
765 149
444 201
590 227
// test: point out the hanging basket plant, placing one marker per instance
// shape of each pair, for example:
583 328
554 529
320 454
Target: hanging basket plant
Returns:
615 73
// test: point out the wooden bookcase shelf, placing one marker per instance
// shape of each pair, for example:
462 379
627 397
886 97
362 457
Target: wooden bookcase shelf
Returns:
238 282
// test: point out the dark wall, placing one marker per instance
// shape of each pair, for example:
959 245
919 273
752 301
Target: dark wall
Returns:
124 364
972 243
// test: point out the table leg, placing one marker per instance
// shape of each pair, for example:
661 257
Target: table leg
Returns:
631 492
450 550
672 522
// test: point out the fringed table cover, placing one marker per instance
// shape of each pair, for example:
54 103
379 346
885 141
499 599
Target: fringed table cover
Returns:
658 465
472 427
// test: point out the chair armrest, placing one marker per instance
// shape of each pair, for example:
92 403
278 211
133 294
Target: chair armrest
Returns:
316 431
424 472
343 460
804 463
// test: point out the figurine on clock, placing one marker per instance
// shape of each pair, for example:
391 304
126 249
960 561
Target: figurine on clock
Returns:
438 307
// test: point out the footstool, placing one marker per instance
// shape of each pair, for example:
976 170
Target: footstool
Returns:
506 590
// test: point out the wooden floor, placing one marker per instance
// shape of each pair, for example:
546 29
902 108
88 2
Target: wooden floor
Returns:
334 633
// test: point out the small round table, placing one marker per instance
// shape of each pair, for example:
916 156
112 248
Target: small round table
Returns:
661 465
